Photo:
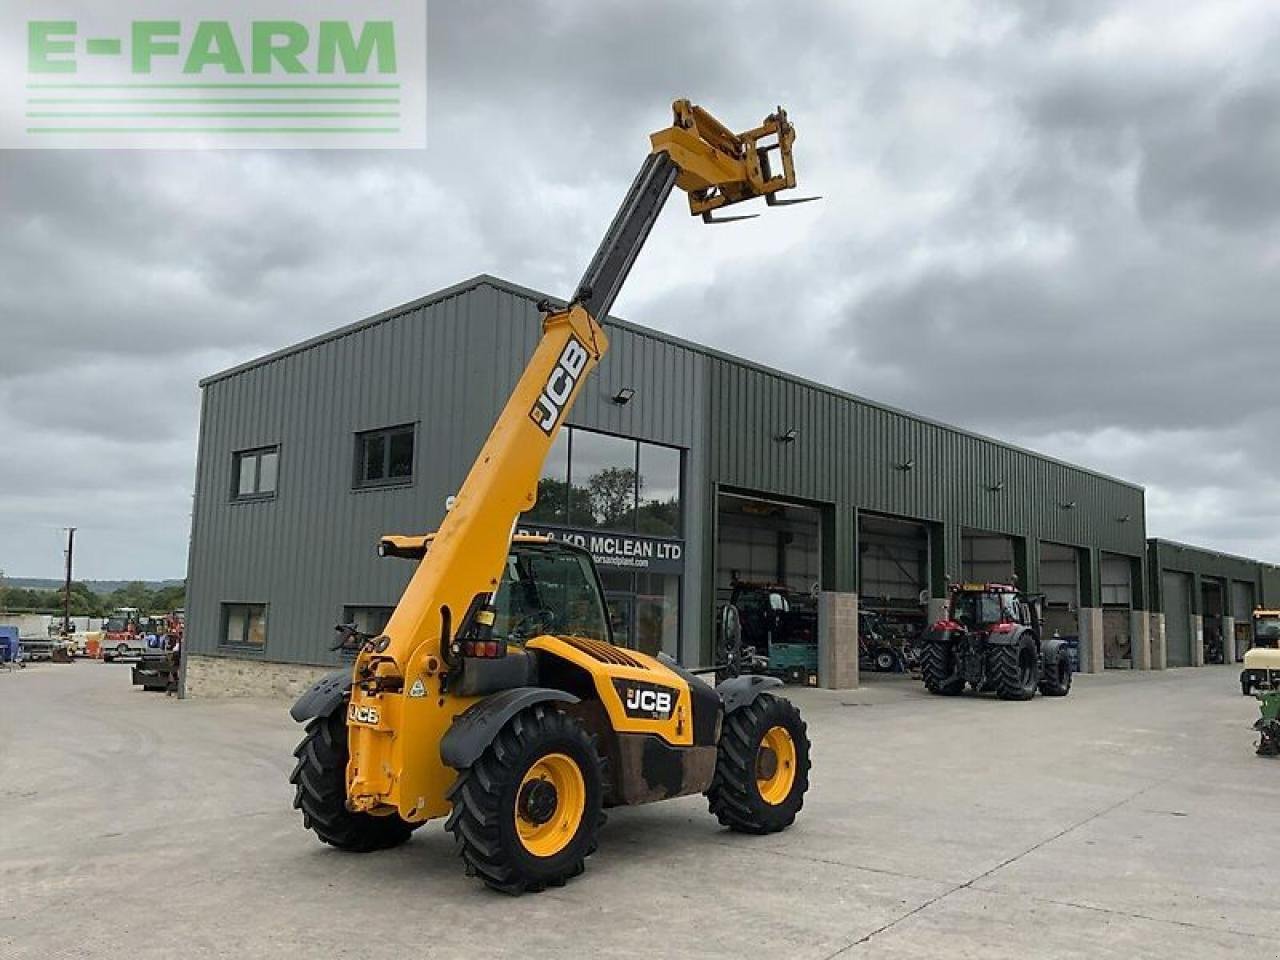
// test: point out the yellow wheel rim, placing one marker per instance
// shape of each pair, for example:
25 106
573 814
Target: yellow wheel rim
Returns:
776 765
550 804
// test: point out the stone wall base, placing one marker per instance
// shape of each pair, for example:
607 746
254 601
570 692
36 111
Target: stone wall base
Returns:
236 677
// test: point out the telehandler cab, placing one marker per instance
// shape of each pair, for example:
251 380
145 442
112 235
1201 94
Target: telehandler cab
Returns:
495 695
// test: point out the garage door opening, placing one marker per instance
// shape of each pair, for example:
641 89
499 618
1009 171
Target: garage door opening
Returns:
985 557
768 564
1242 610
1212 608
1060 584
1176 592
766 541
893 589
1117 607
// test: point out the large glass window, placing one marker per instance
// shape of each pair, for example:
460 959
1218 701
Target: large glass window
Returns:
657 613
384 457
553 487
596 481
658 484
255 473
603 472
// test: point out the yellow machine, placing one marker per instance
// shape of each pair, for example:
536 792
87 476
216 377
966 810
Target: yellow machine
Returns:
495 695
1262 662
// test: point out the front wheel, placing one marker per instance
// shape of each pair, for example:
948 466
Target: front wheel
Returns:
762 767
320 792
525 814
1056 681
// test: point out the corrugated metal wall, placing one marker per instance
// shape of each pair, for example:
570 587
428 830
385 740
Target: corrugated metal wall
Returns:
848 450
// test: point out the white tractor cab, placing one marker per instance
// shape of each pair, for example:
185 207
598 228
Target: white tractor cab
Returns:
1262 662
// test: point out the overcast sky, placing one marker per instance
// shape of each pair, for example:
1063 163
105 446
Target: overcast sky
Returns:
1052 222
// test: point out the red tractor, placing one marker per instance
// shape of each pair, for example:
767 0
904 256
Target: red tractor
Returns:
992 640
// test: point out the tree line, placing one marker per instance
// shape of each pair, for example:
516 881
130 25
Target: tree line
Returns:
86 603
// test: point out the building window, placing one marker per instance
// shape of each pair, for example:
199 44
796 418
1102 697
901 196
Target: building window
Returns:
596 481
370 620
244 625
384 457
255 473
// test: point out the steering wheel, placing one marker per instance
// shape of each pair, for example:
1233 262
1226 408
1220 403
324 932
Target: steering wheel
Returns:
535 624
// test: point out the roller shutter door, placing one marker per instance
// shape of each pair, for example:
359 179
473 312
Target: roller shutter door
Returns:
1177 618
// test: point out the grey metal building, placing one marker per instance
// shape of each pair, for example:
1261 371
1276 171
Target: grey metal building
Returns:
1203 602
682 469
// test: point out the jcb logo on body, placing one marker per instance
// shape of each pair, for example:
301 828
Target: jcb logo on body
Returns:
650 701
559 388
646 700
362 714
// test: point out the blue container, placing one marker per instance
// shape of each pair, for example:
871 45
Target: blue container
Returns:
1072 644
8 644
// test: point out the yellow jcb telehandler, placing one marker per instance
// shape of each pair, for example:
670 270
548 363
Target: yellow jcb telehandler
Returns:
495 696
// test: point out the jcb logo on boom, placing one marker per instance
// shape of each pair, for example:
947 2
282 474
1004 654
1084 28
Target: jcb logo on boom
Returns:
645 700
568 370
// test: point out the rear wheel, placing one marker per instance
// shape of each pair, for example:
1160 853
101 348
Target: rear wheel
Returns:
762 767
320 781
1057 679
525 814
1011 670
938 669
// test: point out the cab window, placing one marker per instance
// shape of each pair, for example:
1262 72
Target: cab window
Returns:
548 591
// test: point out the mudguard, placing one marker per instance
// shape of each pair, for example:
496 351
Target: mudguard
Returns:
474 729
737 692
1050 648
325 696
934 635
1011 639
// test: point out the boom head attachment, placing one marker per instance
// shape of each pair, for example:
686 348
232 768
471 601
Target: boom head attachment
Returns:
718 167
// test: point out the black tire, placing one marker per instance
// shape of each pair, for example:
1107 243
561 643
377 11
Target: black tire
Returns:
885 661
1058 681
734 795
1011 670
486 796
937 666
320 782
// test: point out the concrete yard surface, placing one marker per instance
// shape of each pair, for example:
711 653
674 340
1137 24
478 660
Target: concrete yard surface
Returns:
1128 820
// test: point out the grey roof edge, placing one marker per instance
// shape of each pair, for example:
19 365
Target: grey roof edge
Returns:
350 328
507 286
1209 551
